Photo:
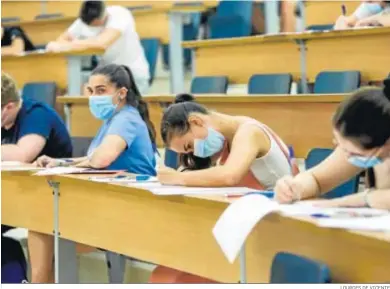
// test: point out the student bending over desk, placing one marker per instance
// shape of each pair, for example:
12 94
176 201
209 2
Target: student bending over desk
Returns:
218 150
362 134
124 142
110 28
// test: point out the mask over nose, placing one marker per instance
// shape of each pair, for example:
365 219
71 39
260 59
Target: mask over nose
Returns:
364 162
102 107
212 144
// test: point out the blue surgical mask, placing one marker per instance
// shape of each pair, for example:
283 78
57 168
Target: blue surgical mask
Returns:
101 106
209 146
364 162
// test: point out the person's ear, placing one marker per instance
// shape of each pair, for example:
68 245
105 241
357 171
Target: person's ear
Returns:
195 120
123 93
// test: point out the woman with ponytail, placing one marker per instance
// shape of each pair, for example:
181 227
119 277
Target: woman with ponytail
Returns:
126 141
361 128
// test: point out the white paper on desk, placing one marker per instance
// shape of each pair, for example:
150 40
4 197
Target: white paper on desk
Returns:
11 163
60 171
123 180
238 220
380 223
180 190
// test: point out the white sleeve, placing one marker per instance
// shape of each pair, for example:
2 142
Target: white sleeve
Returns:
75 29
366 10
120 19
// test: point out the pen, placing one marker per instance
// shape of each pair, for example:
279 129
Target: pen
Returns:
343 10
320 216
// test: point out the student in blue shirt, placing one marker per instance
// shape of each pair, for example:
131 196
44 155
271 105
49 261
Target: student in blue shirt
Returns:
29 128
126 141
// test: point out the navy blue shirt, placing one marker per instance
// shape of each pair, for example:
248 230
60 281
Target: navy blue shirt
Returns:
38 118
138 157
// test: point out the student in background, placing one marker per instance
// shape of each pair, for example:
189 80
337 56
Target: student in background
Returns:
14 41
365 11
218 150
380 19
362 134
113 29
124 142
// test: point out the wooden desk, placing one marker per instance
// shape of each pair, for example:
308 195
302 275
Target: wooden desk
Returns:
176 232
240 58
63 68
327 12
303 121
26 202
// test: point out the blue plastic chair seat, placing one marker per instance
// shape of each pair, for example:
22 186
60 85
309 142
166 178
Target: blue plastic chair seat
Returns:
209 84
337 82
270 84
41 91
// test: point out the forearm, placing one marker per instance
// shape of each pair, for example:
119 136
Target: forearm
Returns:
213 177
12 152
9 50
379 199
85 44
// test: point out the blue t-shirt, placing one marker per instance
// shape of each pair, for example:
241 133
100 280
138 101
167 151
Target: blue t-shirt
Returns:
138 157
38 118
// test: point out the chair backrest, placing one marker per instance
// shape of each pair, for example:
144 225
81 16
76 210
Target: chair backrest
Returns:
41 91
49 16
80 146
9 19
171 159
209 84
232 19
320 27
270 84
151 47
316 156
337 81
293 269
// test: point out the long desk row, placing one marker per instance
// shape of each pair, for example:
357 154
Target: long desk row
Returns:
303 121
365 50
176 231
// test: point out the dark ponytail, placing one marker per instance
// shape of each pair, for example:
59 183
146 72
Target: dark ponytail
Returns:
122 77
365 116
175 122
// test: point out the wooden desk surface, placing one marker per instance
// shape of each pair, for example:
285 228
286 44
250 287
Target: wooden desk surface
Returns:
303 121
176 231
240 58
41 67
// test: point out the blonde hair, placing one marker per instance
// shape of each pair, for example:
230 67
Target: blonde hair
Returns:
9 91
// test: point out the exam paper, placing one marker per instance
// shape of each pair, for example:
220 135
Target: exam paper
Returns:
60 171
238 220
162 190
17 166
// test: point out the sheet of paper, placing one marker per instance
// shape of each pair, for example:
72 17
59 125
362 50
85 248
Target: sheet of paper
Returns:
378 223
129 180
238 220
59 171
179 190
11 163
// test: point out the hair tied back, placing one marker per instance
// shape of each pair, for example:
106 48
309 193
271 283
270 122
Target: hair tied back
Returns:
184 97
386 89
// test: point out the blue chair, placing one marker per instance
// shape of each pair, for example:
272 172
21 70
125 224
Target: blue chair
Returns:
10 19
190 32
337 82
316 156
321 27
295 269
209 84
80 146
270 84
41 91
49 16
233 19
151 46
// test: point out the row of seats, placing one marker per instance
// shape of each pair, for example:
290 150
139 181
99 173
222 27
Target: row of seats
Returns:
326 82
